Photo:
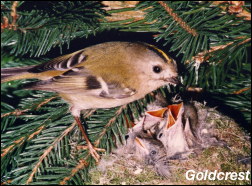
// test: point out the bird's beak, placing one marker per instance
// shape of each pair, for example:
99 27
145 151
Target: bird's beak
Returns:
173 80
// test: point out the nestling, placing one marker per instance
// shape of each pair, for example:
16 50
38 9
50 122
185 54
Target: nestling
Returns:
101 76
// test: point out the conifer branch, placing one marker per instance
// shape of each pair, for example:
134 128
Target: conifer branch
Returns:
180 21
82 164
16 112
43 148
19 112
48 150
11 147
203 56
110 122
242 90
45 102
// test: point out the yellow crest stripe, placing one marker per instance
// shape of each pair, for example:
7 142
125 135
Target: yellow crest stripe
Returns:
160 53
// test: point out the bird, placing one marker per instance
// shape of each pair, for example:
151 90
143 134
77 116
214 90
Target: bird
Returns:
104 75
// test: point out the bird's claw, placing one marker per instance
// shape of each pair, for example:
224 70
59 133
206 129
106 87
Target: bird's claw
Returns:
92 150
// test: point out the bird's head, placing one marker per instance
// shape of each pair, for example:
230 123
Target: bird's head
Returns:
155 67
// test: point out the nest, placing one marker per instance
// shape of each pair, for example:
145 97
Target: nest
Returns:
167 141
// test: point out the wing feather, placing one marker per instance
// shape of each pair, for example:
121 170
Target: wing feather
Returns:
62 63
79 80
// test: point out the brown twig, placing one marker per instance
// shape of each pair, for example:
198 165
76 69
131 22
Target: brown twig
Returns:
89 113
110 122
8 182
242 90
20 141
48 150
36 132
203 56
82 163
18 112
9 148
180 21
45 102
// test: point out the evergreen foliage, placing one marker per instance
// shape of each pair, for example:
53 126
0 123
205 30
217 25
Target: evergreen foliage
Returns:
39 138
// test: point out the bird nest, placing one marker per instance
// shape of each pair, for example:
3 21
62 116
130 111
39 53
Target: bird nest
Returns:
168 141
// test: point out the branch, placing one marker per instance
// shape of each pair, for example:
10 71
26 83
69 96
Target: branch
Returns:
110 122
180 21
18 112
242 90
82 163
203 56
20 141
48 150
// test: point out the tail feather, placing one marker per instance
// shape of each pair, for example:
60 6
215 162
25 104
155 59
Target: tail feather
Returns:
9 74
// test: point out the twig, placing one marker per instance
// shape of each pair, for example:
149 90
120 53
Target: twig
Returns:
242 90
9 148
205 55
110 122
21 140
18 112
48 150
89 113
45 102
82 163
36 132
180 21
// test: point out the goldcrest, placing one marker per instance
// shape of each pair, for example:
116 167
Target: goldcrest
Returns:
101 76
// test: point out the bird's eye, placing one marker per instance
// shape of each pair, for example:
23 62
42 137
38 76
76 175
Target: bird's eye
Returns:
127 136
160 135
157 69
153 152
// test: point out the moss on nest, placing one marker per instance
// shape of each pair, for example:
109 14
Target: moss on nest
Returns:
114 170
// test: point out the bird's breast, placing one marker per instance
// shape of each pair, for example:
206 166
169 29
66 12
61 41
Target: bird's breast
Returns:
80 102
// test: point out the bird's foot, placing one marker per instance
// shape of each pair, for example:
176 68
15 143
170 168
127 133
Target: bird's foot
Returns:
92 150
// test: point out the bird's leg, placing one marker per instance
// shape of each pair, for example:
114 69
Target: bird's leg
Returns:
93 150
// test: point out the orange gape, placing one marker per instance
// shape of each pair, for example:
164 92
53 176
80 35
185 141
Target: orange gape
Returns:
158 113
172 110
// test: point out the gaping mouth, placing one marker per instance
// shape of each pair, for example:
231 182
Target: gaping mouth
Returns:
172 80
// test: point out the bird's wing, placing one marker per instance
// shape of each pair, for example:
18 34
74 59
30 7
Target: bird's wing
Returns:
61 63
47 70
79 80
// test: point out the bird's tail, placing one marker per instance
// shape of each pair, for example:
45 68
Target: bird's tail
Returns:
9 74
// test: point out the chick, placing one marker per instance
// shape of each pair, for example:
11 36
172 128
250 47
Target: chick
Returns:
149 150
